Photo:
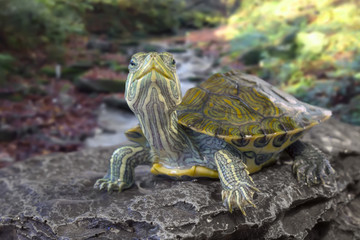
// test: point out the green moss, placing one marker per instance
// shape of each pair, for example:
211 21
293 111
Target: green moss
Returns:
69 72
6 66
324 34
101 85
351 112
138 18
301 46
48 70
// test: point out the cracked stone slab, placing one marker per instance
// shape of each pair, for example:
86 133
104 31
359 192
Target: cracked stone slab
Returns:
52 197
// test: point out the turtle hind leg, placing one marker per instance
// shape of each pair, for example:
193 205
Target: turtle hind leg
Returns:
121 171
311 165
238 186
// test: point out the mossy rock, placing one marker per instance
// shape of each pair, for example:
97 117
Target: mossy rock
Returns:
120 68
115 66
71 72
48 70
323 93
100 85
252 57
195 79
350 113
77 68
115 101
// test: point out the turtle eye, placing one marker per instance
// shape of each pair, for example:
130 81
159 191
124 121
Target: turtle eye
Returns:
132 63
173 62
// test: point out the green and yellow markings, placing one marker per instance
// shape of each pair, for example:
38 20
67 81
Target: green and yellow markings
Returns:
219 163
136 135
123 153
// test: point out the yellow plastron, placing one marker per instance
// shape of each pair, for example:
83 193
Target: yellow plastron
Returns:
194 171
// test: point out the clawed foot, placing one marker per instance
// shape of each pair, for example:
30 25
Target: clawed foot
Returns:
238 186
240 196
313 172
105 183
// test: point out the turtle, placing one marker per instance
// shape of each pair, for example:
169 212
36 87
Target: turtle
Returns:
229 126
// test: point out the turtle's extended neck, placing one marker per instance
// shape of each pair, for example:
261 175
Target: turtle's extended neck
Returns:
153 93
166 137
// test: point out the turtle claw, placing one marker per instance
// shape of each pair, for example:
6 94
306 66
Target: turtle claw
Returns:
313 172
240 197
100 183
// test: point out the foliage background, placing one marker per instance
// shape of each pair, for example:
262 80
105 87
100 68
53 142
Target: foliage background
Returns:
309 48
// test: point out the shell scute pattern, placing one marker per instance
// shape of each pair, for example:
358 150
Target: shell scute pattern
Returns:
280 139
236 106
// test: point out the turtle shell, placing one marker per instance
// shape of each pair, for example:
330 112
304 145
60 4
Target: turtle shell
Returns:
238 107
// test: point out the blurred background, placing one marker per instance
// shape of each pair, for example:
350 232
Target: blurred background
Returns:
63 63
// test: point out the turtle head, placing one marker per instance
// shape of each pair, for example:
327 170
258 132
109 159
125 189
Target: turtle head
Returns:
152 83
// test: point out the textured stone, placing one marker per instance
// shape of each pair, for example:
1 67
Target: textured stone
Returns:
52 197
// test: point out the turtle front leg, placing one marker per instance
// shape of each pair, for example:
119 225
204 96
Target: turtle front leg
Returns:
310 163
121 173
238 186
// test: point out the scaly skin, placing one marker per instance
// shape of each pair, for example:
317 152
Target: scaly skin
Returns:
153 93
120 175
310 164
238 186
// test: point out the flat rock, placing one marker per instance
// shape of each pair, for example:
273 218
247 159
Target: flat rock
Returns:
52 197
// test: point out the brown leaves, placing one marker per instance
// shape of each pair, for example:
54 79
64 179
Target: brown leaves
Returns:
59 121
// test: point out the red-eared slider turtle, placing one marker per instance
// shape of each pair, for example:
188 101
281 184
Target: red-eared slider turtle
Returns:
231 125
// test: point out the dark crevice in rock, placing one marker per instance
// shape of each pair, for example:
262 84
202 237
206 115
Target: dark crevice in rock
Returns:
299 205
8 233
30 229
106 224
310 211
235 228
243 233
216 195
348 219
354 188
318 231
136 229
128 230
188 207
143 228
181 230
285 238
349 154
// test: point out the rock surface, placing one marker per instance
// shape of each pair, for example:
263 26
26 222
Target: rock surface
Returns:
52 197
